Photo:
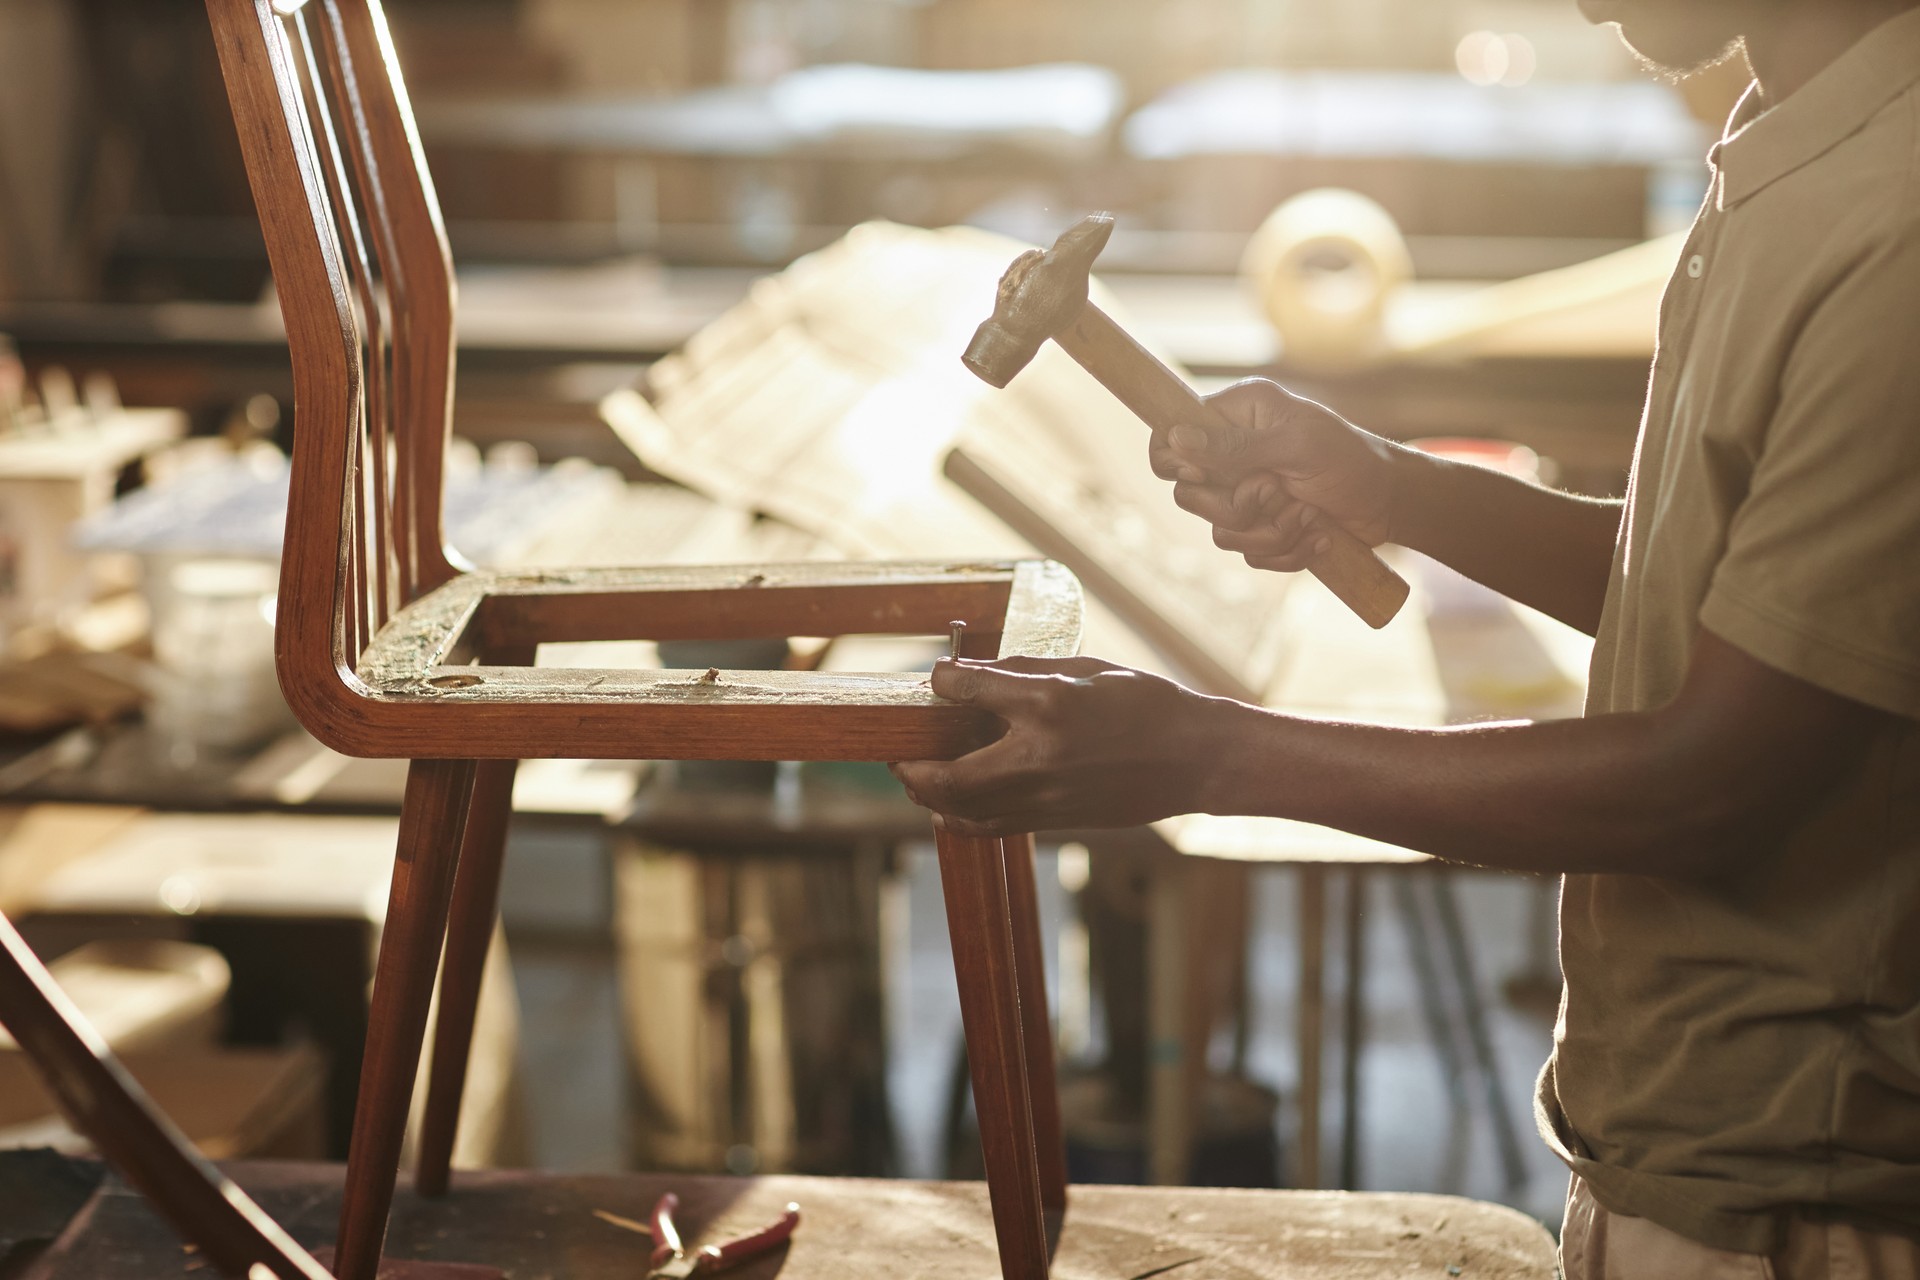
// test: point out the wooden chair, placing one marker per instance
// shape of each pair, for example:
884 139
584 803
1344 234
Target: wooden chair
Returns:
388 647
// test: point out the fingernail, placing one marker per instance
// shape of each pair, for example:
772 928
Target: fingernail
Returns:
1193 475
1322 545
1194 438
1264 494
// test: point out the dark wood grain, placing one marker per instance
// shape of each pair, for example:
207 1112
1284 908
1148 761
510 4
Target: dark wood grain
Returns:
1037 1040
973 877
433 819
470 922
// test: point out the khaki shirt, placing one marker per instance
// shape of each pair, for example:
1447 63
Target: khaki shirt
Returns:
1732 1054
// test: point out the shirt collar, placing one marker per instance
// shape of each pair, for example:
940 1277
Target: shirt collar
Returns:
1763 145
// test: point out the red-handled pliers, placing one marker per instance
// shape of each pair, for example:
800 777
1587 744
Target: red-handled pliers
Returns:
671 1261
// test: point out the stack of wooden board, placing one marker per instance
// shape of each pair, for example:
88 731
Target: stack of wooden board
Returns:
834 399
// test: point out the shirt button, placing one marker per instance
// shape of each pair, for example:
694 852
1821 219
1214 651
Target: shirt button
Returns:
1696 266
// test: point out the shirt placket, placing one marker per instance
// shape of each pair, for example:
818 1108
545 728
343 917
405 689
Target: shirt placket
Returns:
1680 308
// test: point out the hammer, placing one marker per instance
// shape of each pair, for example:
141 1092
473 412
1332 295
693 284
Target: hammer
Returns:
1044 295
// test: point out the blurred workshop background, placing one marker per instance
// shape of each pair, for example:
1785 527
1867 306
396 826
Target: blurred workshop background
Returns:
673 220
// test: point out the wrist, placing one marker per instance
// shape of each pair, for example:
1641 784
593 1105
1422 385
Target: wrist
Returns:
1408 472
1218 756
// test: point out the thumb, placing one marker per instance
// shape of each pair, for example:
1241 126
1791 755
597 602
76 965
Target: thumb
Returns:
982 685
1240 436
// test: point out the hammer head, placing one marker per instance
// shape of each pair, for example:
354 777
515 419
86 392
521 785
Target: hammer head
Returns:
1041 294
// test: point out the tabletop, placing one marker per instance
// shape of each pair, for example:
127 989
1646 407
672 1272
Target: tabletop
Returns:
589 1226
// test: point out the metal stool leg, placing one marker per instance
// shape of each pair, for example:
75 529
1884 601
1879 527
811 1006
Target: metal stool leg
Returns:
1353 1028
1513 1160
1433 1001
1312 1028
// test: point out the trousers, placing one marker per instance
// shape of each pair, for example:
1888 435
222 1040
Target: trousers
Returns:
1598 1244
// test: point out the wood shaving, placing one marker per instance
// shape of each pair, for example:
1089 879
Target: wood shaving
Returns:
625 1224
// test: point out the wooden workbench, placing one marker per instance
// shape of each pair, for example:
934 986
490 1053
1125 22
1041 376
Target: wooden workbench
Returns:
538 1225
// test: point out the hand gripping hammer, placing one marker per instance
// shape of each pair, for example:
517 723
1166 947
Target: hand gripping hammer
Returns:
1044 295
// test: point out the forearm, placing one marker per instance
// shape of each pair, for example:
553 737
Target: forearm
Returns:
1698 787
1608 794
1544 548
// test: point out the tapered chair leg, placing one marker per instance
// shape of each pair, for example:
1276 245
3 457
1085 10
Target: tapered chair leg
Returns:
973 877
476 905
1043 1088
433 819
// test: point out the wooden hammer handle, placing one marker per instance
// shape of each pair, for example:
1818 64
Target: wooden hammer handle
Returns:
1162 399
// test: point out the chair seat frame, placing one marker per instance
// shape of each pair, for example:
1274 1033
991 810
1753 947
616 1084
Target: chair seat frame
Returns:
424 678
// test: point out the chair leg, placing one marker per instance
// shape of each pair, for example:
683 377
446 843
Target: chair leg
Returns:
974 879
433 818
476 904
1036 1027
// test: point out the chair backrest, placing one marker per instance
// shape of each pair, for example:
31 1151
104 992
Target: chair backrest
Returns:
365 282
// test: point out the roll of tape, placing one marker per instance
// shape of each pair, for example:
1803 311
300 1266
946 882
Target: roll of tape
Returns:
1324 265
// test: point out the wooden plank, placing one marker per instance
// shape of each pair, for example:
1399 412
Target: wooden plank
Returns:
858 1229
620 714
